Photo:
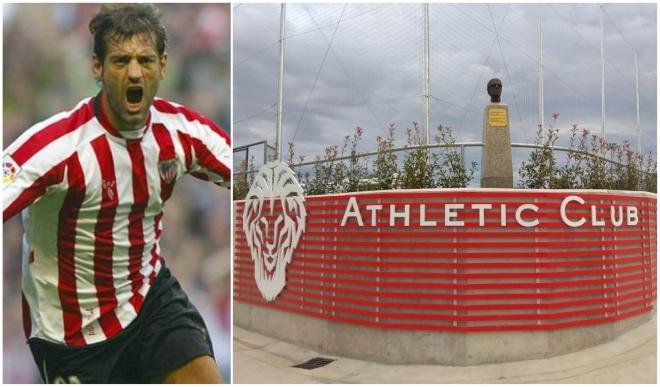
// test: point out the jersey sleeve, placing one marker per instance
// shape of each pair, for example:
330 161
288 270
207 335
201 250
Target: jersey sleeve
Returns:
207 147
25 181
35 163
212 152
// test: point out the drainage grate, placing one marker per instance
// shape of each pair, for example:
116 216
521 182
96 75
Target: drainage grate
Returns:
314 363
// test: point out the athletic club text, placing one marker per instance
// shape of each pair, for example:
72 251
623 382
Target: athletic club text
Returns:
526 215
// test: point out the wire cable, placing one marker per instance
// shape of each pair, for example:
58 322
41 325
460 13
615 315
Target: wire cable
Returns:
453 104
506 68
318 74
341 64
342 21
260 112
523 52
481 73
595 50
257 53
618 30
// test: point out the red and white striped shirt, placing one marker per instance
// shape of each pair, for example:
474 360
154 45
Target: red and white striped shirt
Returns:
92 202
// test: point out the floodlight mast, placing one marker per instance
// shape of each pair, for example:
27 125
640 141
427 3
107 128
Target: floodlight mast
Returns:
541 102
602 81
278 129
426 78
639 133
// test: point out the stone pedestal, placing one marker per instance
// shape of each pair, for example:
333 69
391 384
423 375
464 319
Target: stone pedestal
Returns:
496 164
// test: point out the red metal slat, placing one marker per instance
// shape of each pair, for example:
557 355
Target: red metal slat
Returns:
386 294
511 224
425 306
464 286
477 245
466 266
379 314
436 327
301 252
476 255
434 275
467 213
649 285
575 235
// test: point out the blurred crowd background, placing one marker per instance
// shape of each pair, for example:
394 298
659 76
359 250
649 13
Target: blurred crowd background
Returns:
47 69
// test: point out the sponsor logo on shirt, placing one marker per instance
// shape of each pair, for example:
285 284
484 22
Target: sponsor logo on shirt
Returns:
10 170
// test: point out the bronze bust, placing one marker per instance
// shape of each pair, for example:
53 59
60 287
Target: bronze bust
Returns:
494 89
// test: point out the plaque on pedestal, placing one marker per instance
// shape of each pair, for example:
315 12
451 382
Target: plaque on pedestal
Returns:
496 163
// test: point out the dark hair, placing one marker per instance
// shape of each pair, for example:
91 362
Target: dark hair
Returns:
117 22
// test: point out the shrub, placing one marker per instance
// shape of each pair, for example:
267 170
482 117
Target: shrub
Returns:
649 178
452 172
324 178
592 163
588 165
356 171
539 170
385 167
419 167
419 164
569 176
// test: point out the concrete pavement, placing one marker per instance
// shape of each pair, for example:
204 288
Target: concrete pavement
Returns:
631 358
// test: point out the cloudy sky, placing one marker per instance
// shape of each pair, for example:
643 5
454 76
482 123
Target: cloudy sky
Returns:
361 65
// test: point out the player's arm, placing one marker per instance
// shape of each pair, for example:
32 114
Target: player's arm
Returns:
210 152
27 176
212 159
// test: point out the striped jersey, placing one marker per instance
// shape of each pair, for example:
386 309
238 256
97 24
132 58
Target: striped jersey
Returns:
92 200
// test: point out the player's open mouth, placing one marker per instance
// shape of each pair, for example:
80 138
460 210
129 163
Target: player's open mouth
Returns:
134 95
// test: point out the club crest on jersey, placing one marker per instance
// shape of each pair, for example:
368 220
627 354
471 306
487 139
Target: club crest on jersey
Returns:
167 170
10 170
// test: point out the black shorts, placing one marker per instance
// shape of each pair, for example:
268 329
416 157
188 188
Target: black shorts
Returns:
167 333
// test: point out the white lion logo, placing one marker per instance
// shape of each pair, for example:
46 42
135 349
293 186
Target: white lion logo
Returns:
273 231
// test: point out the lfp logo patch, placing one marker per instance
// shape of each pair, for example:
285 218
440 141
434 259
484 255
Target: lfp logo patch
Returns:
10 170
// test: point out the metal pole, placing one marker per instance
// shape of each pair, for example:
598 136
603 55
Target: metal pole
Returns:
602 66
278 131
426 81
639 133
265 160
541 102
